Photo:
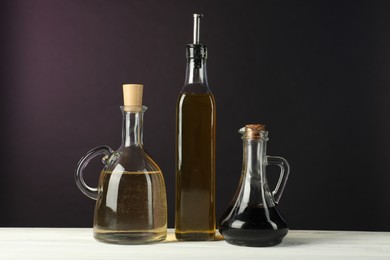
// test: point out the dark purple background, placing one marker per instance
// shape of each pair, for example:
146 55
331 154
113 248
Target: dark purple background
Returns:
315 72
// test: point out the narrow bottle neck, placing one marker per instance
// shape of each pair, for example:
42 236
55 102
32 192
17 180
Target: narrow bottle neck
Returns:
254 189
254 157
196 72
132 128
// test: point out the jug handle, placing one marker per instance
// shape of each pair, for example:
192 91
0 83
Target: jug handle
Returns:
283 176
79 178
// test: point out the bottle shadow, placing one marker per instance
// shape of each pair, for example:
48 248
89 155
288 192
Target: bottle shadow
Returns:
293 239
172 239
304 238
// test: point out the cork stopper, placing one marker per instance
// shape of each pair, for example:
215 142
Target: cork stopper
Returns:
254 131
132 97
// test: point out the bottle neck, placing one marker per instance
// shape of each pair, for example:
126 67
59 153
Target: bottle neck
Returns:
254 190
254 158
132 128
196 72
196 54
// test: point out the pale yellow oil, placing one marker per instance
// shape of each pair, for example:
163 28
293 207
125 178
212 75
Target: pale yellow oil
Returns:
131 208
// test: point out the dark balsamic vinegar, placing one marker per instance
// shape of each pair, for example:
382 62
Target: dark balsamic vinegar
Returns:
255 226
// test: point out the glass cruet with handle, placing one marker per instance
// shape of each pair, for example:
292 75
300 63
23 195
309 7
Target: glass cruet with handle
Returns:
131 205
252 218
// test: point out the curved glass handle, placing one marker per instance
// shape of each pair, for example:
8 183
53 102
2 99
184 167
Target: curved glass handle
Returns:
78 175
283 176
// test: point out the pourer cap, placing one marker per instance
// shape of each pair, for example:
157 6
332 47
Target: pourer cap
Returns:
195 50
132 97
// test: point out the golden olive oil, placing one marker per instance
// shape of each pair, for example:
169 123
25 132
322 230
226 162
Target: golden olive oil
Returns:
195 172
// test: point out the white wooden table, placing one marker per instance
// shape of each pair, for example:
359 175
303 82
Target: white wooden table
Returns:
78 243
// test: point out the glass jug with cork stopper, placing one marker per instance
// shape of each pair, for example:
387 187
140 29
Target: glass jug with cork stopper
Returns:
252 218
131 205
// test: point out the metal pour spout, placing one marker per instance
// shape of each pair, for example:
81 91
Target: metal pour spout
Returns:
197 27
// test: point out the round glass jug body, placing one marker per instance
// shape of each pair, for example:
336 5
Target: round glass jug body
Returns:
131 205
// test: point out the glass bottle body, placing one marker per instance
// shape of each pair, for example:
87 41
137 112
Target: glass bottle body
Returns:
195 157
252 218
131 205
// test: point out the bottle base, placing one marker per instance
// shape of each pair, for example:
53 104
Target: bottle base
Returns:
253 237
130 237
194 236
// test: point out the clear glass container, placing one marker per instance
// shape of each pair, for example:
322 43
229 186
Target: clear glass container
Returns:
131 205
195 149
252 218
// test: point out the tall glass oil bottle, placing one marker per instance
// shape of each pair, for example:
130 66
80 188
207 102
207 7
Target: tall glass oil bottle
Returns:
195 148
